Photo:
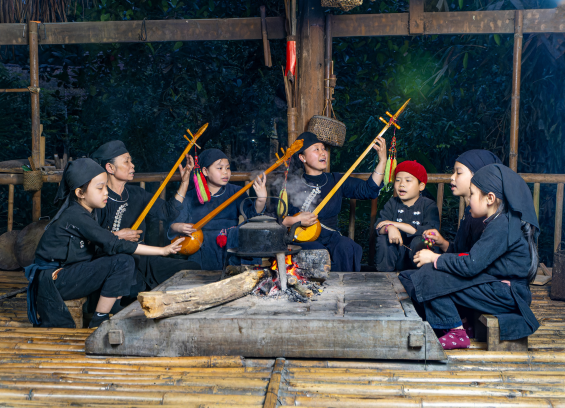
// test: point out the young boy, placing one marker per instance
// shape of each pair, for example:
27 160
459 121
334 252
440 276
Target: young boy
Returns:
404 218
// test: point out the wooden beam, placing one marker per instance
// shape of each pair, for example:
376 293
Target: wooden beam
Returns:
157 30
416 17
516 76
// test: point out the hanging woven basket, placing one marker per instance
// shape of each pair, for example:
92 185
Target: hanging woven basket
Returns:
328 130
345 5
33 180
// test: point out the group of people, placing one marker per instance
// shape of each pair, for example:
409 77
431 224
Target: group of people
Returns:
89 245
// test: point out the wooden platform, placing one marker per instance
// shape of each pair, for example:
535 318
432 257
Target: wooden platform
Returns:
358 316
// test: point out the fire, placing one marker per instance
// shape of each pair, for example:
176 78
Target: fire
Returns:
291 266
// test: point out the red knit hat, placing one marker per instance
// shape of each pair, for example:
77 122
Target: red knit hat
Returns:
414 168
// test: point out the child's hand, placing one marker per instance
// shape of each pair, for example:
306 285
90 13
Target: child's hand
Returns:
185 171
425 256
394 236
438 240
173 248
128 234
182 228
383 223
380 147
260 185
307 219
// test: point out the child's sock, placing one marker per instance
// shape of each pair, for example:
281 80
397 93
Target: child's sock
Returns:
455 339
97 319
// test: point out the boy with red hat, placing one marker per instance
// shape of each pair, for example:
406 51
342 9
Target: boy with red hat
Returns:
404 218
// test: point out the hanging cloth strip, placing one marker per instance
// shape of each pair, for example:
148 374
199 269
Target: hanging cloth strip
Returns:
200 184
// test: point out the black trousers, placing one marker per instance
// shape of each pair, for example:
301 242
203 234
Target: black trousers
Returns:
392 257
112 275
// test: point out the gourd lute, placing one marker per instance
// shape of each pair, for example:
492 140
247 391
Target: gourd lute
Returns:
311 233
193 243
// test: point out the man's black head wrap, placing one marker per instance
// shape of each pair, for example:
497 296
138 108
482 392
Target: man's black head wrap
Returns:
309 139
477 159
76 174
108 151
210 156
510 187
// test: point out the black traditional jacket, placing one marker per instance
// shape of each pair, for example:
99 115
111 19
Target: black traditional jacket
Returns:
122 211
422 215
491 259
469 232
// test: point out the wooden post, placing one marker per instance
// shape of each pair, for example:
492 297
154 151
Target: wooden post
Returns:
372 232
142 184
327 93
516 74
281 264
352 208
10 207
558 217
163 196
310 62
41 147
416 17
35 125
461 210
266 45
439 200
536 198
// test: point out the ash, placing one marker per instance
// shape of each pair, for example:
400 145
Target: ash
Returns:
268 289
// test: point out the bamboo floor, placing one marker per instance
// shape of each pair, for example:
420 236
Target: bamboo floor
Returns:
48 368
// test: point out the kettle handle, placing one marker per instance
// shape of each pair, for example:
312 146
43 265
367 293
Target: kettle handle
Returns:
279 219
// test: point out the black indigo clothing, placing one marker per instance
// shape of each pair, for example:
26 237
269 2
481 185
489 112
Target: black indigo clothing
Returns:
112 274
469 232
211 256
507 185
71 243
422 215
344 252
490 260
75 236
308 139
210 156
109 150
477 159
122 212
76 174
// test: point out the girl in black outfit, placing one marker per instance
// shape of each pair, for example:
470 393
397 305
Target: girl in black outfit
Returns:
494 276
76 256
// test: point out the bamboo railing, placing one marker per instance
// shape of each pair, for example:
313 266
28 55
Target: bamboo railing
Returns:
11 180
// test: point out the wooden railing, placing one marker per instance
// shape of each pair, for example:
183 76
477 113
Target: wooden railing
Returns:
440 179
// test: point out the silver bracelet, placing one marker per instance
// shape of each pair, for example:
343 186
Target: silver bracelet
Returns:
376 172
180 195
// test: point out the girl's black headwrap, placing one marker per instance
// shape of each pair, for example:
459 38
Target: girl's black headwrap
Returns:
510 187
76 174
109 150
210 156
477 159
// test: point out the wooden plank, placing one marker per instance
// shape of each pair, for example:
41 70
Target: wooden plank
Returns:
368 25
272 396
157 30
416 17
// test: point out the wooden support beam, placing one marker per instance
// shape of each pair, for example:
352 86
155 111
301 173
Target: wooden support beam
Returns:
558 217
310 62
157 30
516 76
35 112
352 208
416 17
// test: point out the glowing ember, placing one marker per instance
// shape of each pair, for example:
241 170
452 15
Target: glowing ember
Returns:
291 267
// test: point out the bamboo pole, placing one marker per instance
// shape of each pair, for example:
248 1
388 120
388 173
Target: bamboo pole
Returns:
10 207
536 198
439 200
14 90
461 210
558 217
35 111
516 74
272 395
164 183
352 208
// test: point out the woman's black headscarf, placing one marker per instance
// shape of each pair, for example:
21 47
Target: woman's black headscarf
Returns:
76 174
108 151
210 156
510 187
477 159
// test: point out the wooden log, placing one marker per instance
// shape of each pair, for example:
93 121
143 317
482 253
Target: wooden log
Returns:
558 217
27 240
165 304
301 289
8 260
10 207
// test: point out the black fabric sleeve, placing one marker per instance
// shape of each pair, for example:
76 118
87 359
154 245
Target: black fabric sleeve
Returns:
108 243
357 188
162 210
492 245
387 213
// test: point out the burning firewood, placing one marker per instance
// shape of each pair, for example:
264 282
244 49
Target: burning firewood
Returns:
303 290
176 302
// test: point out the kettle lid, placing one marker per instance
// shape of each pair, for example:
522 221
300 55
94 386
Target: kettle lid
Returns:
262 218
